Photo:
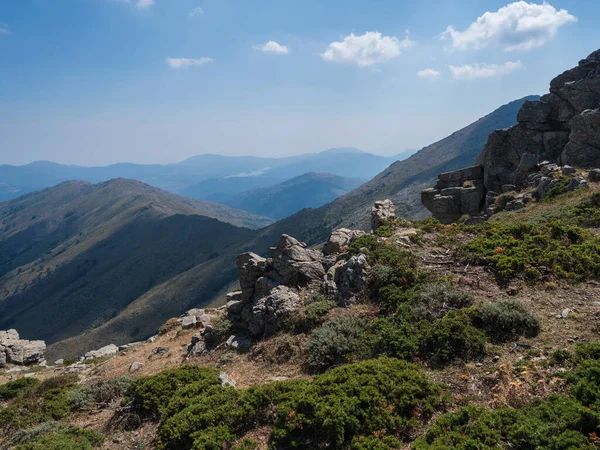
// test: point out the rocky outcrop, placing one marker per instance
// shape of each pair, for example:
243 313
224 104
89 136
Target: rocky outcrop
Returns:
346 278
382 212
563 127
456 194
14 350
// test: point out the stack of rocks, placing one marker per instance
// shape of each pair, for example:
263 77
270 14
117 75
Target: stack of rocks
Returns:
14 350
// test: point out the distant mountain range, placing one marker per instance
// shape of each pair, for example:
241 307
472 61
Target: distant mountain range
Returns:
310 190
187 177
110 262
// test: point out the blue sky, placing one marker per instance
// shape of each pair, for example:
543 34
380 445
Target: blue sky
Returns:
156 81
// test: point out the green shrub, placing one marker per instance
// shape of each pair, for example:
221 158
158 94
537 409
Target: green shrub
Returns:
452 337
558 423
313 314
12 389
70 439
560 357
558 189
32 434
373 443
368 241
389 338
151 395
336 342
384 231
429 225
587 212
505 320
100 394
384 395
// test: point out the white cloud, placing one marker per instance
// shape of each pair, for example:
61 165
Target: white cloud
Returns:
429 74
184 63
196 12
516 26
143 4
272 47
4 29
476 71
366 50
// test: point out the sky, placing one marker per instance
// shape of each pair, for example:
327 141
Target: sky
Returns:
94 82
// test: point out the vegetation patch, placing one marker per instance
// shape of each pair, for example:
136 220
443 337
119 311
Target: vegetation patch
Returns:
549 249
505 320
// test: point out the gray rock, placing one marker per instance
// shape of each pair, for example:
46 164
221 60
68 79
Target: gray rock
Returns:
195 312
59 362
226 380
135 366
239 343
189 322
159 350
106 351
340 238
235 307
10 335
515 205
382 212
576 183
196 348
594 175
568 170
251 267
270 314
349 278
293 264
508 188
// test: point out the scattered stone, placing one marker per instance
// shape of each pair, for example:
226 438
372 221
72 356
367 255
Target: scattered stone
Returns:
576 183
508 188
135 366
189 322
159 350
59 362
565 313
568 170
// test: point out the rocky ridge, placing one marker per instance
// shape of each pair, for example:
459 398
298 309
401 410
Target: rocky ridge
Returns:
20 352
561 129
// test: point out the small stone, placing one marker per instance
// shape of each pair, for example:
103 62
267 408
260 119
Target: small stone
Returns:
508 188
565 313
226 380
135 366
568 170
59 362
239 343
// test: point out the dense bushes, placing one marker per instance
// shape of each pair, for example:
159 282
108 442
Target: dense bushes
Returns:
12 389
505 320
564 251
557 423
384 396
151 395
66 439
313 313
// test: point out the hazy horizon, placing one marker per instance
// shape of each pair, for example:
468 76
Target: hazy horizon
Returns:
154 82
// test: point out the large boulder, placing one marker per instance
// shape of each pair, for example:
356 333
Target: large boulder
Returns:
382 212
104 352
346 278
294 264
251 267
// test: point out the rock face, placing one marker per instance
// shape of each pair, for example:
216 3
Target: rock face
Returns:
563 127
382 211
14 350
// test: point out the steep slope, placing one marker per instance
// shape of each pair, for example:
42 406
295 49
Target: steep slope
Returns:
310 190
79 254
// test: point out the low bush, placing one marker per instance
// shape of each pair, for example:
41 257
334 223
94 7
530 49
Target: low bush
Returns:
12 389
558 423
337 341
434 300
151 395
389 338
505 320
368 241
69 439
100 394
453 337
313 314
384 231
